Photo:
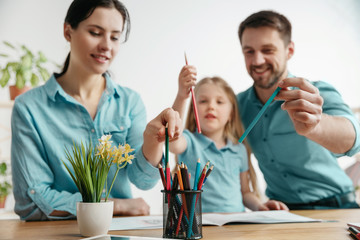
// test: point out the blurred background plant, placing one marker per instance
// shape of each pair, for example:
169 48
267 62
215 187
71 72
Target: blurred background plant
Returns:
5 186
22 67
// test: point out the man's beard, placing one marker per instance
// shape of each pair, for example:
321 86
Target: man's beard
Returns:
273 79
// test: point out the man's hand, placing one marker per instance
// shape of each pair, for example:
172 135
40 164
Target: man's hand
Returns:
304 105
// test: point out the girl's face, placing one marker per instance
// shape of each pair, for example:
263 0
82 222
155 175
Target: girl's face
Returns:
214 108
96 40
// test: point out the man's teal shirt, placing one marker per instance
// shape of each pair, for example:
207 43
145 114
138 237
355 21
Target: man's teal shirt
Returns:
296 169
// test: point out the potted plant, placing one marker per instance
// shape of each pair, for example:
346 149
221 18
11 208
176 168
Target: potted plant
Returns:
22 69
89 168
5 186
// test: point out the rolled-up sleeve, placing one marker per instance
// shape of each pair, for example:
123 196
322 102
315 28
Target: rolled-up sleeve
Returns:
32 177
141 173
334 105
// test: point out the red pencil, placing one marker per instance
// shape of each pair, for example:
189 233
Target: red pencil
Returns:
168 176
194 104
162 175
179 221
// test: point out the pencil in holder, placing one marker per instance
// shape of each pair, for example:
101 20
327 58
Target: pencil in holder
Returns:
182 217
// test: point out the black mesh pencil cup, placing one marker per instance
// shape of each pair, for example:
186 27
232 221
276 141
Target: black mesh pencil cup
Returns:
182 214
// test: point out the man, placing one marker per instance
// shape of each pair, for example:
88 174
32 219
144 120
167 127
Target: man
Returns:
298 139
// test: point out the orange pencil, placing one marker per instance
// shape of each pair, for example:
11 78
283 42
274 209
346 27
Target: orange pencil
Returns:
183 206
194 104
179 177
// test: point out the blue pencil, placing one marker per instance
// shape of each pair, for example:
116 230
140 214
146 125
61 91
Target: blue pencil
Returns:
258 116
192 211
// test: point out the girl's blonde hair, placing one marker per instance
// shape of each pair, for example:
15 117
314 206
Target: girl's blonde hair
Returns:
233 128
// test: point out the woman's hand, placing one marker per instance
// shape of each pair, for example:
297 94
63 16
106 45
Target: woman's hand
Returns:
154 134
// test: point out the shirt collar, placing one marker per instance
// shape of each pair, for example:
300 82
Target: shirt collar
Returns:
206 142
53 88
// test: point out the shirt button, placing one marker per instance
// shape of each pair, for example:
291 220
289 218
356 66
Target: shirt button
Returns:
92 130
266 115
285 175
121 128
272 160
32 191
299 191
264 139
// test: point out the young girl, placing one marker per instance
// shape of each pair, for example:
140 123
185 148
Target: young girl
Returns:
227 189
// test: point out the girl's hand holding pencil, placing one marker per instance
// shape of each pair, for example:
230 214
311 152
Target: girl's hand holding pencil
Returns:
187 80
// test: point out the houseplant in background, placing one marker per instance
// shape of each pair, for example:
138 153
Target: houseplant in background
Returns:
5 186
89 168
21 69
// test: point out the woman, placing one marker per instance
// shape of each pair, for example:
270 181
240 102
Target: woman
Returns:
82 103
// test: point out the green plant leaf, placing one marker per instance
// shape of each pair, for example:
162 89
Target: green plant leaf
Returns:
3 168
13 65
42 58
20 81
9 45
5 77
27 75
34 80
44 74
26 61
27 51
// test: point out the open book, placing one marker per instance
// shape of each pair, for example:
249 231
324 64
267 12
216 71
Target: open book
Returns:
220 219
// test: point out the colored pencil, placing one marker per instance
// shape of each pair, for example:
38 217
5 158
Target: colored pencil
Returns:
182 189
162 176
193 203
194 104
197 174
208 173
168 176
258 116
166 148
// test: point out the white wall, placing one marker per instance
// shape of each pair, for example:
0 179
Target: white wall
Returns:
326 35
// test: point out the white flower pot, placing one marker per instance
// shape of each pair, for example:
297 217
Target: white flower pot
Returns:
94 218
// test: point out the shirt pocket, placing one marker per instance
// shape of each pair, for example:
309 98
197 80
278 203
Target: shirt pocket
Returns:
119 129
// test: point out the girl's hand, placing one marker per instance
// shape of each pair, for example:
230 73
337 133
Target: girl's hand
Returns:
273 205
187 79
130 207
